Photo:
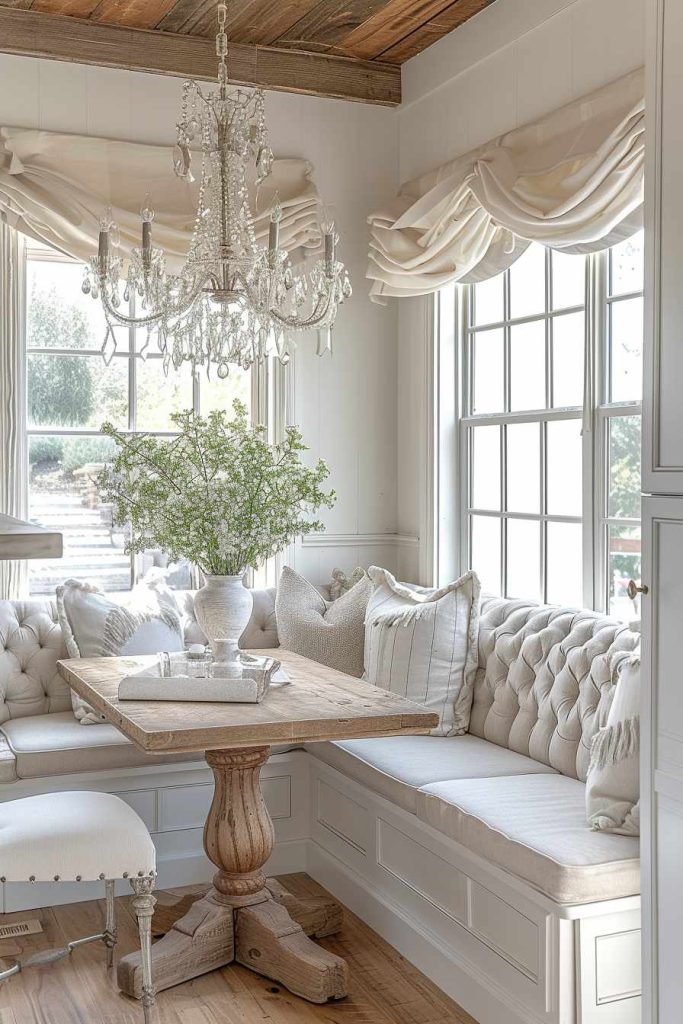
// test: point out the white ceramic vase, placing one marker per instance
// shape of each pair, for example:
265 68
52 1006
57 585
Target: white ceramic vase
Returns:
223 607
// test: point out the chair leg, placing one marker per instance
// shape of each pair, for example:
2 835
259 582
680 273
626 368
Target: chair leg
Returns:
110 922
143 904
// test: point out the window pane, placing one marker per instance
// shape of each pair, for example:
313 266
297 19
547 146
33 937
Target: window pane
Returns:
624 565
568 351
626 350
569 280
524 467
63 495
77 391
524 558
624 467
564 562
58 314
488 301
527 283
216 394
626 265
564 468
527 366
486 467
485 537
153 413
487 355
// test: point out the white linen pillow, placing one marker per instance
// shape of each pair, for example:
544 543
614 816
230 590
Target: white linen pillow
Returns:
330 632
94 626
422 644
613 781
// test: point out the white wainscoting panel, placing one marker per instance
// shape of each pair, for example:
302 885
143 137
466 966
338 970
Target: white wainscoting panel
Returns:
316 555
507 954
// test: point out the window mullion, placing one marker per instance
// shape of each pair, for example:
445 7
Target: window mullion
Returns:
596 448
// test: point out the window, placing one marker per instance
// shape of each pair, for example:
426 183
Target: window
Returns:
70 393
550 498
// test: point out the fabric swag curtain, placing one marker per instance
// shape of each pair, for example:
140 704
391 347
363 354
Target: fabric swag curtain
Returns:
54 188
571 181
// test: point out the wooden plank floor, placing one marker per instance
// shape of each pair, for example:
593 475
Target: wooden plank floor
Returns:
385 988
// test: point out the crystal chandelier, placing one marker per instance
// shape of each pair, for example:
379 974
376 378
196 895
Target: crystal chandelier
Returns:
233 301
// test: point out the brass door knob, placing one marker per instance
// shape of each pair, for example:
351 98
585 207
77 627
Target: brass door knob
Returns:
633 590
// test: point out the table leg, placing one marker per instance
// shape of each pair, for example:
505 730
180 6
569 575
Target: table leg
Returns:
244 917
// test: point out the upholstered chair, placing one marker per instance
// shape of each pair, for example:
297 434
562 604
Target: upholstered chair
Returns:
82 837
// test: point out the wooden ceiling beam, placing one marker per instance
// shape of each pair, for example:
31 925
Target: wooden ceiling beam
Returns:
34 34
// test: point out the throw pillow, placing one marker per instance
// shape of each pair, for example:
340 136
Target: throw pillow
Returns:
331 632
613 782
422 644
94 626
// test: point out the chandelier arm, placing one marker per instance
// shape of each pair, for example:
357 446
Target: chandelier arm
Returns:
150 318
316 319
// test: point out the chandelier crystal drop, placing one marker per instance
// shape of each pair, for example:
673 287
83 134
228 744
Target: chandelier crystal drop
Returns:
233 302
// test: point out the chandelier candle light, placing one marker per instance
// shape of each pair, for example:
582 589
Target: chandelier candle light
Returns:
233 301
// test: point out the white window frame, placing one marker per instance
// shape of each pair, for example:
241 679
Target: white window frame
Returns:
448 429
270 399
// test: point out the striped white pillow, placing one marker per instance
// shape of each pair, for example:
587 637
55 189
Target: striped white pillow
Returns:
422 644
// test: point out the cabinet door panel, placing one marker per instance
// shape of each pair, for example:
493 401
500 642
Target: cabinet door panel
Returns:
662 758
663 384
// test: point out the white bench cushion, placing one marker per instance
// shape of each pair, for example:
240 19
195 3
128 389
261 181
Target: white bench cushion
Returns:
397 766
534 826
58 744
46 745
75 836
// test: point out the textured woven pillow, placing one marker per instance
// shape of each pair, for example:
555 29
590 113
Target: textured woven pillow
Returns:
331 632
613 782
422 644
94 626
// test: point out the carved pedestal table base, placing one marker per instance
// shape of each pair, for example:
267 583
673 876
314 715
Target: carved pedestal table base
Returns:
245 917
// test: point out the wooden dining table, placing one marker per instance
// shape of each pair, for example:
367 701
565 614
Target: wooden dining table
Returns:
246 917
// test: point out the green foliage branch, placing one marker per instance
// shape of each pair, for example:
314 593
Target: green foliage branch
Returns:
218 494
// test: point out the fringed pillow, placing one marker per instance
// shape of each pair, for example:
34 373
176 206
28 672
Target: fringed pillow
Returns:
422 644
613 782
94 626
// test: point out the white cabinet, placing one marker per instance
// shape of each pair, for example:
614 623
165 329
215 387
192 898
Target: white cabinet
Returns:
662 609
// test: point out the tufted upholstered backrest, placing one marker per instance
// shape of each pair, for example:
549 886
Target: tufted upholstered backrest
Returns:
31 644
544 679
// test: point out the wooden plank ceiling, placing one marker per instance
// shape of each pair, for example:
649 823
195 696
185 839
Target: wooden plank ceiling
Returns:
364 35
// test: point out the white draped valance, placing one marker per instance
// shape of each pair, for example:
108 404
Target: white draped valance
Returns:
55 187
571 181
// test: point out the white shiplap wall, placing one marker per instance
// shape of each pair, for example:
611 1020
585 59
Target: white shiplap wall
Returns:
346 405
509 65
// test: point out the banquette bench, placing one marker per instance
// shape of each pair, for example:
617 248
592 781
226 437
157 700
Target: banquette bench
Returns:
470 854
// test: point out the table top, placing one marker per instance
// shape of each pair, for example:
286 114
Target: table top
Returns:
319 704
19 539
